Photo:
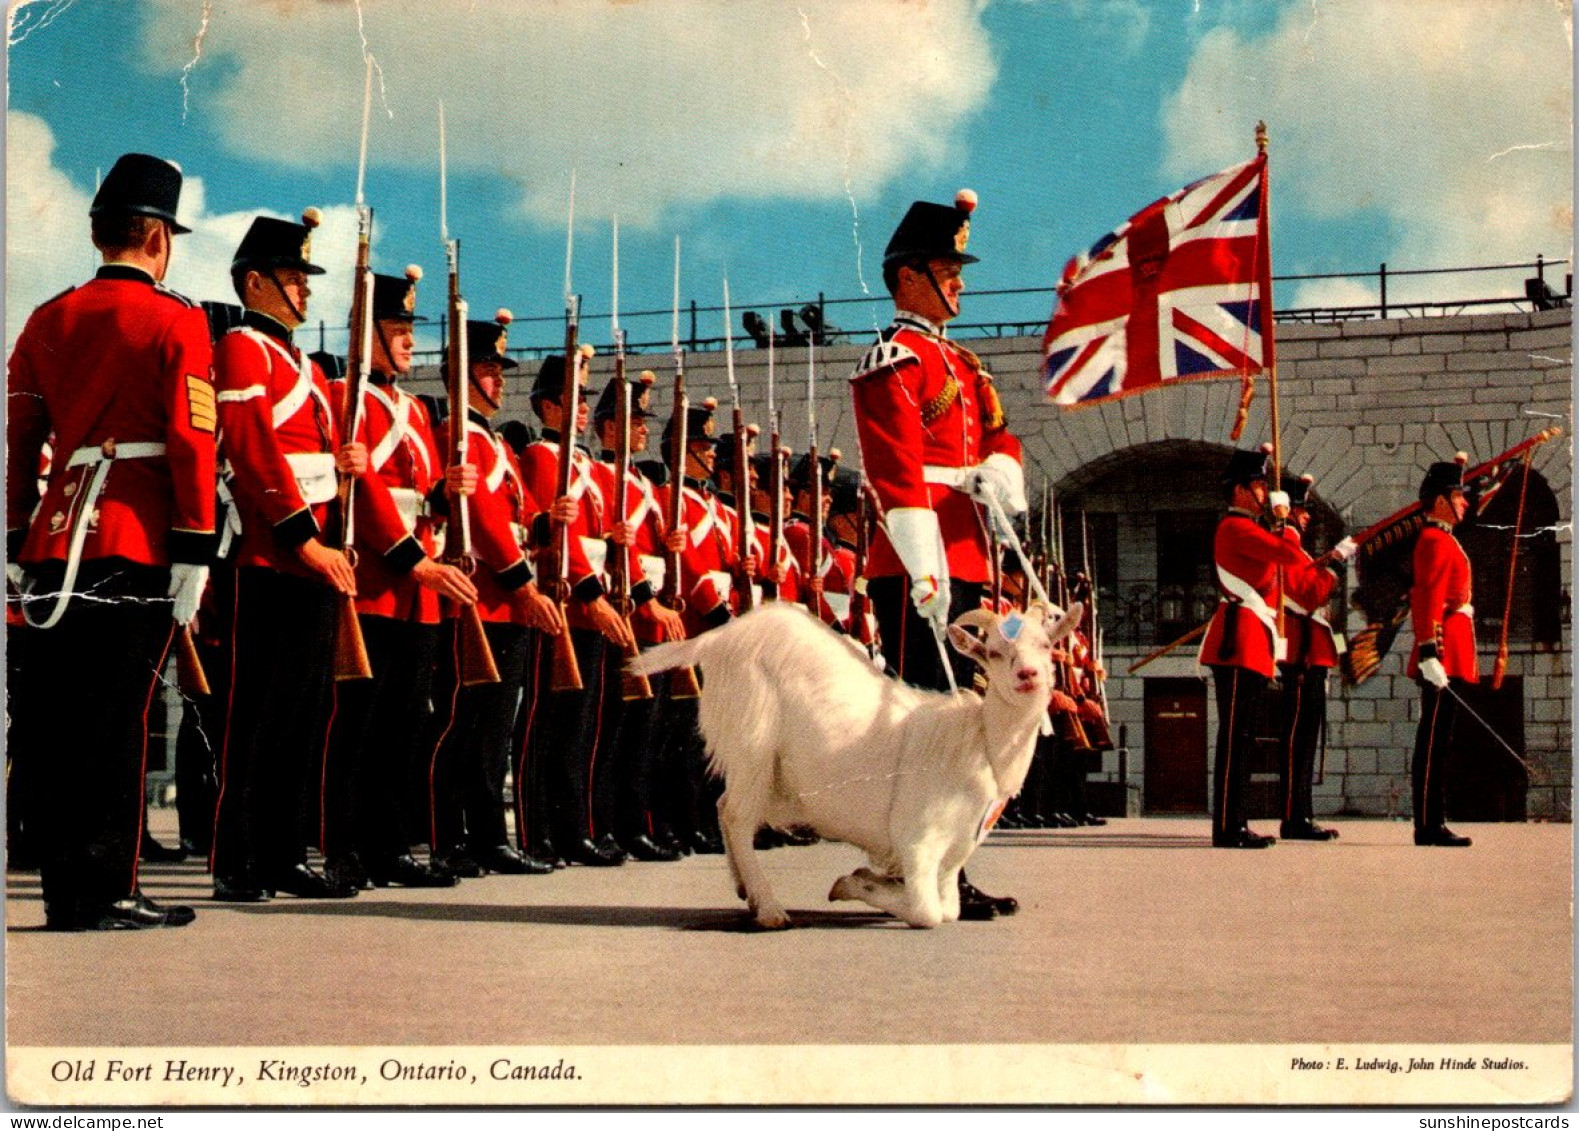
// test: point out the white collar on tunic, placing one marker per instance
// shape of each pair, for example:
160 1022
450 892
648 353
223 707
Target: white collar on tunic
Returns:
915 320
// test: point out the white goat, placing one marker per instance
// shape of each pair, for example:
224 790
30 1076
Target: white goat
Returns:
805 732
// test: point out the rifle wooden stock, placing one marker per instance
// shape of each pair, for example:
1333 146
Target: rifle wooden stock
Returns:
682 683
813 530
770 588
567 672
633 686
350 650
189 675
744 543
475 662
1170 646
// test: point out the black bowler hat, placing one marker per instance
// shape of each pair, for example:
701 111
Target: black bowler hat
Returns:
933 231
799 478
395 296
550 383
1441 478
142 184
640 389
270 244
1299 491
485 340
1245 466
699 425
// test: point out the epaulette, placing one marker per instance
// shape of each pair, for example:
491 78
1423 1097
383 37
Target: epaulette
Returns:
884 355
57 298
177 295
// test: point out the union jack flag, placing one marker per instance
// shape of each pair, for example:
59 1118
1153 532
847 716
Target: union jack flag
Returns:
1179 292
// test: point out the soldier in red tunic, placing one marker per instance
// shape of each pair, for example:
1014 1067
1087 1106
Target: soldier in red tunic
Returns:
471 753
798 534
377 806
935 446
282 450
1443 660
116 374
1242 644
1312 653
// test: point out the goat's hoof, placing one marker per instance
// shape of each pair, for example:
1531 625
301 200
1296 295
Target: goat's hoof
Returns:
773 920
845 887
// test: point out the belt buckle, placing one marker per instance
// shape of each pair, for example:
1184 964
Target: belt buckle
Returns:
107 449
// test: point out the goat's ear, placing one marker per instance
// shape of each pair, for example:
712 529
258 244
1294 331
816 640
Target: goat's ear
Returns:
966 644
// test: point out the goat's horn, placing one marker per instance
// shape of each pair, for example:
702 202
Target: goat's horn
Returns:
977 618
1067 623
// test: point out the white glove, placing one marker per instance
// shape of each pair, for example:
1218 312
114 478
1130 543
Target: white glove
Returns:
187 583
1277 503
931 597
1433 672
14 575
1345 549
1000 478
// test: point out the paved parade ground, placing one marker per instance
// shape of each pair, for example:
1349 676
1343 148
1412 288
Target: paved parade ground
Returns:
1133 934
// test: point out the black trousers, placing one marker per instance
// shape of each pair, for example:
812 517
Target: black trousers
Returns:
202 732
282 645
1304 714
907 641
635 761
565 733
471 750
25 752
1433 742
377 774
1240 704
97 671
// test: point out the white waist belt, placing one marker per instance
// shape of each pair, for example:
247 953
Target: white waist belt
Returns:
315 475
955 477
99 457
654 569
410 504
597 551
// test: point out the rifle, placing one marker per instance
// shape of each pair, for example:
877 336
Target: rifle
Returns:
1066 721
770 588
860 603
475 662
740 462
350 650
1097 719
683 683
633 685
567 672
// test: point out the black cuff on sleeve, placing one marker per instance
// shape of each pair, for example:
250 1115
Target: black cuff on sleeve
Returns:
191 547
404 555
588 589
1428 651
542 530
513 577
718 617
438 501
642 592
296 529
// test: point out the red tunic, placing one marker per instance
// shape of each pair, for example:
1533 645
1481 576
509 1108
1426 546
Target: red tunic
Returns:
1306 590
798 534
280 434
708 560
1439 604
394 529
118 358
922 402
647 563
790 588
588 551
499 513
1241 633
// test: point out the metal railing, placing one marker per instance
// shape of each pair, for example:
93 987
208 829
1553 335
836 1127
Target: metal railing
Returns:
803 320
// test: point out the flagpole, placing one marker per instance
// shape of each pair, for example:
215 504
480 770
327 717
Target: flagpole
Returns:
1268 332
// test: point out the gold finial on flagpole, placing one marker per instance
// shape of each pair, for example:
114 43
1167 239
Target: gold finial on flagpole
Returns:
1260 137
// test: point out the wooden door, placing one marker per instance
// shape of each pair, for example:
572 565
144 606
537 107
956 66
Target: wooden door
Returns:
1176 761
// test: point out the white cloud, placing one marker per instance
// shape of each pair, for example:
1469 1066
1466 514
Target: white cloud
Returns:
1451 120
655 104
48 247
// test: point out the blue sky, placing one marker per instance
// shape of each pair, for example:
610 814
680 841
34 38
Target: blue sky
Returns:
781 140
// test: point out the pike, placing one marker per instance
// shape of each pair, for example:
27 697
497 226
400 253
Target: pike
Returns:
566 671
350 650
476 661
683 683
633 685
745 534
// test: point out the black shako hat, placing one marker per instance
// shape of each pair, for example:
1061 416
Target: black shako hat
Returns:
933 231
1245 466
550 383
1299 491
799 477
332 364
485 340
724 445
144 185
846 492
271 244
699 426
1441 478
640 390
395 296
